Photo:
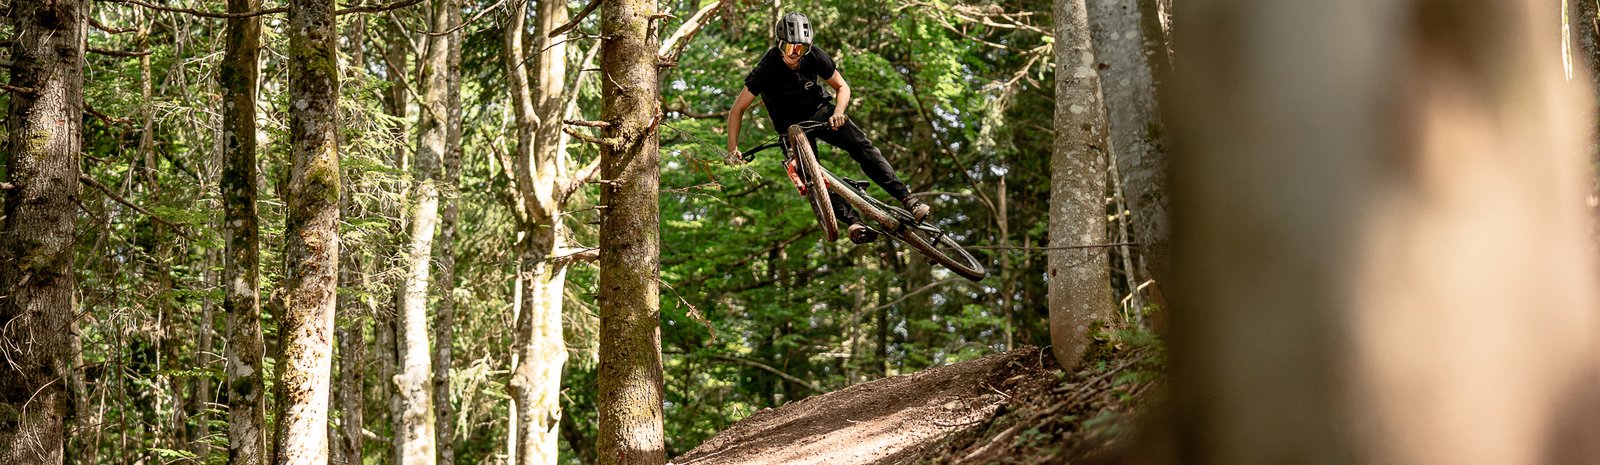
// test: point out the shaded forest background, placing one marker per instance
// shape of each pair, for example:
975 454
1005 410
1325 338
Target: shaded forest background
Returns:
756 310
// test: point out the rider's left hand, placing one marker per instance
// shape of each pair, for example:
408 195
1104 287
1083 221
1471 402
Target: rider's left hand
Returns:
836 120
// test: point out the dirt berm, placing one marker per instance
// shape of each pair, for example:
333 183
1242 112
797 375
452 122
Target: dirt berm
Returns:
903 419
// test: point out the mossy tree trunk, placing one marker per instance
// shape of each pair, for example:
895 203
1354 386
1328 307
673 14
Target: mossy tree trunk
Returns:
630 397
311 256
45 127
1384 254
1080 279
246 388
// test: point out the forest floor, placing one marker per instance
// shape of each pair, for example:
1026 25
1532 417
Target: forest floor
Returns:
1015 407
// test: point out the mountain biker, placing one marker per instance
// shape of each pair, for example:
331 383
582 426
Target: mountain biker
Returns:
786 79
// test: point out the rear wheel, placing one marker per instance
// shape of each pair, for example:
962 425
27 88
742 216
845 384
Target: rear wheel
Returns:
926 239
816 184
939 247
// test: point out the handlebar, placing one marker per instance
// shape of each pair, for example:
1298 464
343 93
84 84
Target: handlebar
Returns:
806 126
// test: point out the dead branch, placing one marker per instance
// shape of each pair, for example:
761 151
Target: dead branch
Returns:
378 8
605 143
674 45
207 14
18 90
587 124
468 22
117 53
1064 247
177 228
769 369
103 117
576 19
108 29
204 14
694 312
583 176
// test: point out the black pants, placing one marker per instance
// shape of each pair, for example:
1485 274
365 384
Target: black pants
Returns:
853 140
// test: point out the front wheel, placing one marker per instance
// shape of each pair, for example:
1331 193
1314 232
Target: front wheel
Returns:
810 172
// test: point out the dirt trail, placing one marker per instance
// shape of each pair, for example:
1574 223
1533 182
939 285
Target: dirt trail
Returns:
888 421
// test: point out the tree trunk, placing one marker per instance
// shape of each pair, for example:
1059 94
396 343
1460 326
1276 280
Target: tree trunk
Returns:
416 433
630 314
1080 279
1384 255
1122 41
246 388
444 328
45 126
540 350
396 61
311 255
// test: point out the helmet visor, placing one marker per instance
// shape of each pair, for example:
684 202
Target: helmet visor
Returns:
793 49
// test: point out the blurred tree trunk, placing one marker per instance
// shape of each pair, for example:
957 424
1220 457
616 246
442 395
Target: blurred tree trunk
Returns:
540 351
311 256
246 386
1384 256
630 397
45 126
1131 48
416 437
1080 279
396 61
444 328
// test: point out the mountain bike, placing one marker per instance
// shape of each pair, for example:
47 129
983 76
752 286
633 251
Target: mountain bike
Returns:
815 182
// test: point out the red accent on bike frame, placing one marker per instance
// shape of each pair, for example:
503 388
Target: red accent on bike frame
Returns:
794 177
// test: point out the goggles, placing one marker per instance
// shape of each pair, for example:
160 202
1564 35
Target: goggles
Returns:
792 48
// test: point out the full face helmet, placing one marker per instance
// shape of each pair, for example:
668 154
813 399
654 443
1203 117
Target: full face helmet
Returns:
793 34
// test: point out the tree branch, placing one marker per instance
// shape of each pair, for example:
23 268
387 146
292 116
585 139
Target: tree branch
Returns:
177 228
469 21
18 90
378 8
117 53
674 45
204 14
1063 247
606 143
588 124
583 176
102 116
769 369
108 29
207 14
576 19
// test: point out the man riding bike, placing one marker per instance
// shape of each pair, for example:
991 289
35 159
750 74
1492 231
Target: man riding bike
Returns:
786 78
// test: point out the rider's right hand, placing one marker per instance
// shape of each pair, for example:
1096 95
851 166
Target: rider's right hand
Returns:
735 158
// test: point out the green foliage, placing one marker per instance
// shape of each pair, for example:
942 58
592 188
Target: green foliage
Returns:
746 274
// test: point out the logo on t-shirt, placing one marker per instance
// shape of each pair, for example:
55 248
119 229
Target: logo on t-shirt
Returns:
810 84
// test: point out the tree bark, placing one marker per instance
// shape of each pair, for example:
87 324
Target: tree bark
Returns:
630 400
1384 255
1080 279
444 329
246 387
416 436
311 255
45 127
1125 43
396 61
539 103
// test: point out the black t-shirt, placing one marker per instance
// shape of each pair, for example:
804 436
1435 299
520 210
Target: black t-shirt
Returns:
791 95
